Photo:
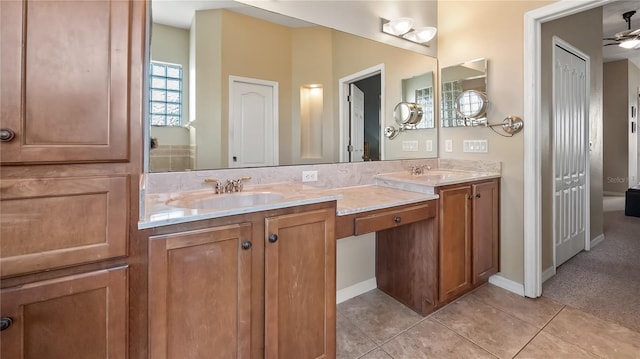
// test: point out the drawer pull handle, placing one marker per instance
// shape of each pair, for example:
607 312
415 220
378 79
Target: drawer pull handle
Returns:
470 197
5 323
397 219
273 238
478 195
6 134
246 245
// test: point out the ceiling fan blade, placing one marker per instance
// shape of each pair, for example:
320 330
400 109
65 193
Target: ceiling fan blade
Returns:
610 38
611 44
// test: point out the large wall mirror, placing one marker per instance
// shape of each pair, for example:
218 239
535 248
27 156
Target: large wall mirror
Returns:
236 86
471 75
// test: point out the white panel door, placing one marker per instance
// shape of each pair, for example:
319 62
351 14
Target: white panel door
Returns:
570 144
253 128
356 124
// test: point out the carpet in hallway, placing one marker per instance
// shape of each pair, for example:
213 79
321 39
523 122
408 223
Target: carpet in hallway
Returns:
606 280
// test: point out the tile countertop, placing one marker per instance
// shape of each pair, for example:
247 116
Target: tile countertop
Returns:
349 200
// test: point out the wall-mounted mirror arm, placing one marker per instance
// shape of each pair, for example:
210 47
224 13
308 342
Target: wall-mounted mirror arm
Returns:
511 125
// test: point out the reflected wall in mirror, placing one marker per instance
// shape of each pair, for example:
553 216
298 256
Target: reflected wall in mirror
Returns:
471 75
419 89
293 74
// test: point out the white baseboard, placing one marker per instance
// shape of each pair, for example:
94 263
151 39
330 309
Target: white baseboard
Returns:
508 284
597 240
355 290
548 273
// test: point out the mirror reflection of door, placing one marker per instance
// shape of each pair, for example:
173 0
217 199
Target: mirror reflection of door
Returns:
253 129
364 121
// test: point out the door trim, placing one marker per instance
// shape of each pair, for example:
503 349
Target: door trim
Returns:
559 42
343 88
532 139
275 135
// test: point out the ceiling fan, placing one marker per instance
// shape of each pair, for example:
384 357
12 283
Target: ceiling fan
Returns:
628 39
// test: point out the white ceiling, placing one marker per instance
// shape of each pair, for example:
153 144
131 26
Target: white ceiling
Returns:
612 23
179 13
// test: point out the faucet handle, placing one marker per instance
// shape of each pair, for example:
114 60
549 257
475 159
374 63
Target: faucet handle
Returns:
210 180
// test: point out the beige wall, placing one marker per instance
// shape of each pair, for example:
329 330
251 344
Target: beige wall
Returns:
206 62
494 30
621 83
171 44
583 31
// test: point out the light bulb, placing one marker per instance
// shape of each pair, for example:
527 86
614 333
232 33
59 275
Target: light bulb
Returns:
421 35
630 44
398 26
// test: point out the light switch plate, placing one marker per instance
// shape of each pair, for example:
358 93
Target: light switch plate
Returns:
448 145
478 146
410 146
429 145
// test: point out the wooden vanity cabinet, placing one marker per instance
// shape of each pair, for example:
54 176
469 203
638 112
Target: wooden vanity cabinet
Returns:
71 108
469 237
65 80
77 316
300 285
260 285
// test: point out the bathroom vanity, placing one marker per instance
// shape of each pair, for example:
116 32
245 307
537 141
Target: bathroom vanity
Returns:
260 279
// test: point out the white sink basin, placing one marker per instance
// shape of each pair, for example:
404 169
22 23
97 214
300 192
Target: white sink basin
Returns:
227 201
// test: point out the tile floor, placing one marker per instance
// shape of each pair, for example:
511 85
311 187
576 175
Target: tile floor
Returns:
487 323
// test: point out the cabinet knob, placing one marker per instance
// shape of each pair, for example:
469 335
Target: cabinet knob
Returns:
6 134
273 238
470 197
246 245
477 195
5 323
397 219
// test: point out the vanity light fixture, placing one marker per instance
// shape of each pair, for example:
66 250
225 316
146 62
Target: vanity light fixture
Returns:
402 28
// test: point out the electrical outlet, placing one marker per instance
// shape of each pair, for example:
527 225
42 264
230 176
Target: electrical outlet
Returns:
309 176
410 146
429 145
448 145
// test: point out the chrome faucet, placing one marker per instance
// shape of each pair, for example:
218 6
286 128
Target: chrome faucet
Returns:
418 170
228 186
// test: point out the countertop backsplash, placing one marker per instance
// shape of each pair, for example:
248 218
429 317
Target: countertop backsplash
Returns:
329 175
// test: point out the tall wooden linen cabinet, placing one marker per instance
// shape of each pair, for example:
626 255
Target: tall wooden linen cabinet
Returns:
71 155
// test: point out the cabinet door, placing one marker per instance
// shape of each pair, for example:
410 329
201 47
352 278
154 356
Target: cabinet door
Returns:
486 230
80 316
300 289
45 222
65 80
200 293
455 241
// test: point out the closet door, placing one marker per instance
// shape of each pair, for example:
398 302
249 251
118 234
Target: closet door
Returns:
64 81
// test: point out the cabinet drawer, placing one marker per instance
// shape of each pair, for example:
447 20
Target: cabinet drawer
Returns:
56 222
394 218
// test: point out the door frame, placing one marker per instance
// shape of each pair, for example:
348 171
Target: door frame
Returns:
343 88
275 135
532 138
558 42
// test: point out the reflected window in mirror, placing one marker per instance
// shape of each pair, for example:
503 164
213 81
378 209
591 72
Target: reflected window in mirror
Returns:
470 75
419 90
165 107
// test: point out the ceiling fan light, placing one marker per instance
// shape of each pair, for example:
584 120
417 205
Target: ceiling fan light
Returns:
630 43
398 26
421 35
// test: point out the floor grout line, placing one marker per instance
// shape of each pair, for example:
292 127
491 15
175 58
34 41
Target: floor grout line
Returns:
540 330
